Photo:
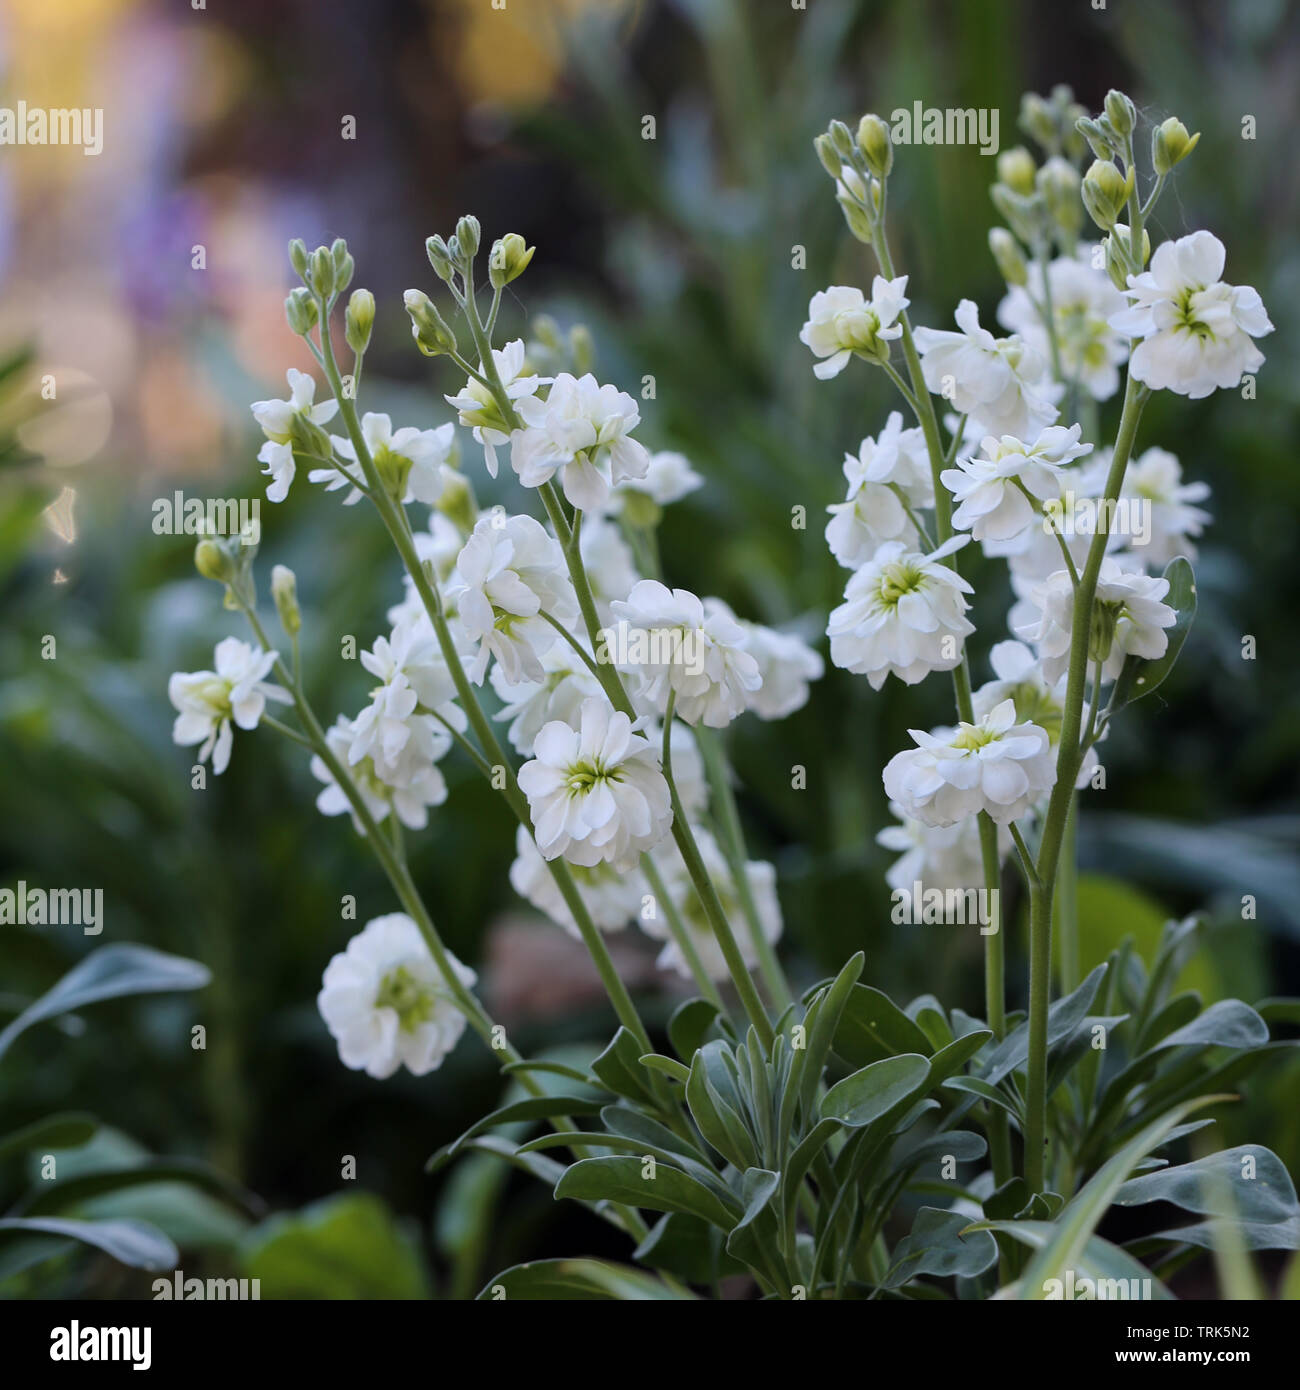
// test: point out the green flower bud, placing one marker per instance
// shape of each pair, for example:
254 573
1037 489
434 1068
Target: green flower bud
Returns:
456 501
1170 143
338 250
1119 254
856 216
467 235
343 272
639 509
1096 135
440 258
300 309
1016 169
1038 121
1009 257
875 144
1120 113
298 257
359 320
582 349
213 561
1058 182
284 590
1105 191
831 161
1025 216
432 334
509 259
842 139
308 437
1101 630
322 272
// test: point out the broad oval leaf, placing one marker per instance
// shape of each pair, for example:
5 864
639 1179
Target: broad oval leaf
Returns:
624 1180
876 1089
1139 677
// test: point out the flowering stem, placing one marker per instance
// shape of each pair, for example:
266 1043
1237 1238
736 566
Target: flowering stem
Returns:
680 935
1069 756
1067 904
733 844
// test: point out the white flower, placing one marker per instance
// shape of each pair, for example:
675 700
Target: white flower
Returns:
529 705
1020 679
1000 382
607 558
386 1004
612 896
675 644
347 474
277 420
786 663
410 801
596 793
668 478
1197 332
1167 520
508 574
1083 300
872 511
585 429
902 613
993 765
421 454
208 701
412 650
989 503
1128 613
843 322
936 856
478 407
761 879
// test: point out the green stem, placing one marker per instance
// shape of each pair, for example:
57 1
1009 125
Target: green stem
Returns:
1067 904
680 934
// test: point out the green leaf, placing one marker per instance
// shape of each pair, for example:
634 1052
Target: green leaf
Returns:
755 1238
950 1059
1215 1186
821 1021
345 1247
1074 1227
872 1027
619 1069
941 1244
668 1066
1229 1023
1062 1019
689 1026
60 1196
577 1281
1139 677
618 1179
109 973
875 1090
973 1086
532 1109
687 1247
66 1131
134 1243
1221 1232
1099 1260
717 1121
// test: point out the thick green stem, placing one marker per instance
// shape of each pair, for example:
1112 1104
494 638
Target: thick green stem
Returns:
1067 904
1069 757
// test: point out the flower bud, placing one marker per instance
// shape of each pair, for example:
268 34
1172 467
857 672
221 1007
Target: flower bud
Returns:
1120 112
456 501
440 258
1101 630
300 309
1097 136
467 235
284 590
432 334
213 561
343 271
1119 254
856 216
1038 121
842 139
1058 182
338 250
831 161
298 257
1016 169
582 350
1105 191
509 259
876 147
359 320
322 272
1009 257
1170 143
1025 216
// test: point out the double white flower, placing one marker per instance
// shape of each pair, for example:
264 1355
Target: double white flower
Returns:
596 793
612 896
585 429
508 574
843 323
1197 332
209 701
387 1005
277 419
676 643
882 475
990 488
993 765
1154 481
1000 382
419 454
478 409
903 613
1129 619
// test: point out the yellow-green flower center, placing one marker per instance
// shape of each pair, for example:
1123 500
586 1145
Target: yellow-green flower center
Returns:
410 999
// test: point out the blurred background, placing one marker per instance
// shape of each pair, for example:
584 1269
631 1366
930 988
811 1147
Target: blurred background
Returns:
224 129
